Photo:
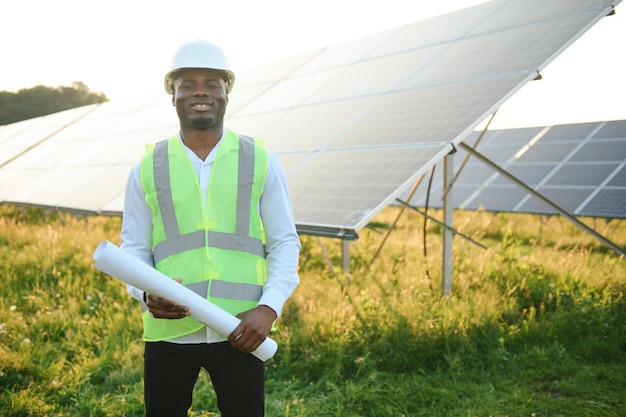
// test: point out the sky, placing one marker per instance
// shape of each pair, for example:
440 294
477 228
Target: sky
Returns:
123 47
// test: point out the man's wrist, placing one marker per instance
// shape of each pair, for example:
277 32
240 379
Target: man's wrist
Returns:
270 309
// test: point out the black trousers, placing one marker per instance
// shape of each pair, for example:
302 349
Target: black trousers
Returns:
171 371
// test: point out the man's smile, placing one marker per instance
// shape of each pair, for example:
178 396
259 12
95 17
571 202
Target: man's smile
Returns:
201 106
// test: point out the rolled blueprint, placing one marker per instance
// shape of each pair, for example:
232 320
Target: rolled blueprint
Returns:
113 261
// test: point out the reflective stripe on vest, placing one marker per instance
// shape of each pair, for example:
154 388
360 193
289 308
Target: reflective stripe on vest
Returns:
223 289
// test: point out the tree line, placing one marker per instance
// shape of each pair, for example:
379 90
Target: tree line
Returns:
42 100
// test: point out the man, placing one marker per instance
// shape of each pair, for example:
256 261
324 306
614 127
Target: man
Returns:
211 209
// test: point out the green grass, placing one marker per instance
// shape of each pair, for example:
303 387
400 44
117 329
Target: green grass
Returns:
535 325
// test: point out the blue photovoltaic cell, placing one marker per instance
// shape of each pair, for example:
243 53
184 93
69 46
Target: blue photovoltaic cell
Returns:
476 174
529 174
608 203
499 154
619 179
615 129
497 198
581 175
601 151
548 152
568 199
570 133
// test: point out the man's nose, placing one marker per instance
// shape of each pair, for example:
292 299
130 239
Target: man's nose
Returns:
201 91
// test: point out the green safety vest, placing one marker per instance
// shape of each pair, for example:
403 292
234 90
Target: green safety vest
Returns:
218 249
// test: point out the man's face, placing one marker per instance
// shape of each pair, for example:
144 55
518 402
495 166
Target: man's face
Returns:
200 98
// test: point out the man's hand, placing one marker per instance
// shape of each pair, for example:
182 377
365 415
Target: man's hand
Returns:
164 308
254 328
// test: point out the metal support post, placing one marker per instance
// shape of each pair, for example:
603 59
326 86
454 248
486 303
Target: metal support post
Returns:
448 177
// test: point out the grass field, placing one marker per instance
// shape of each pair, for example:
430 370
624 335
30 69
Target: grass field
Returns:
535 325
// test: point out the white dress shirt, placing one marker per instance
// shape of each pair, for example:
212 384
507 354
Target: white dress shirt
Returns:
282 241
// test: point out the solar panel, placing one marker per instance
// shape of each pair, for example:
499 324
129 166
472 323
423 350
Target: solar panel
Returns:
17 138
354 124
581 167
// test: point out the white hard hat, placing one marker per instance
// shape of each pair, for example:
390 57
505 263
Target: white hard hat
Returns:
199 54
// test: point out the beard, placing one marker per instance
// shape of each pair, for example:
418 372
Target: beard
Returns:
201 122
